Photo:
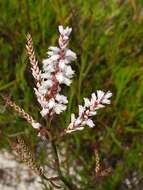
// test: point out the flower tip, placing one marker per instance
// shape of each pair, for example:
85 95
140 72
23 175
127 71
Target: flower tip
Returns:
61 29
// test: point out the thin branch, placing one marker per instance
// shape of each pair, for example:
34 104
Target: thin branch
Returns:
65 181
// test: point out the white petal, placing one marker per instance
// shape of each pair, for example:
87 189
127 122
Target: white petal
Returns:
100 94
45 75
36 125
61 99
53 51
76 129
61 29
67 81
78 121
47 84
37 92
49 68
68 31
51 103
43 104
90 123
44 112
54 48
60 77
99 106
47 61
62 64
68 71
106 101
65 38
92 113
50 53
55 57
59 108
42 90
79 128
70 55
87 102
81 110
108 95
93 95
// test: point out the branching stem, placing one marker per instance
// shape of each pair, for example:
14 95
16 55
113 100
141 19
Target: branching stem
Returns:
67 183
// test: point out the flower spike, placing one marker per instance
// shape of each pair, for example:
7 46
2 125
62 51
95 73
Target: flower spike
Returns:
34 63
89 109
56 71
22 113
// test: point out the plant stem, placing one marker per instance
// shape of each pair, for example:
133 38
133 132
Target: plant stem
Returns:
48 137
65 181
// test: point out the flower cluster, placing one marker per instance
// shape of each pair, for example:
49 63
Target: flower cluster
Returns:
56 71
89 109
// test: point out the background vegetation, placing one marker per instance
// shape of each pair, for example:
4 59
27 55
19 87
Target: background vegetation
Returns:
108 38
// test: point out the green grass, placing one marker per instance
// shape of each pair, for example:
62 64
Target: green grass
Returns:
108 39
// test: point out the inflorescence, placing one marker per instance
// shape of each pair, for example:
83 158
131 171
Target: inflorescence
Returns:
56 71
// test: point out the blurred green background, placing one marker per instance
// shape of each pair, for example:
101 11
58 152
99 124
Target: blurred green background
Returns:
108 39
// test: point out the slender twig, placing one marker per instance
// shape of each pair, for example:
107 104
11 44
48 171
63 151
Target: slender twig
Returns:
65 181
50 137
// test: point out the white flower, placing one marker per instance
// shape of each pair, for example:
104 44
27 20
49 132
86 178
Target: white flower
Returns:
105 99
99 106
54 49
90 123
62 64
68 71
48 69
81 110
78 121
65 32
76 129
46 62
54 57
92 113
100 95
67 81
93 97
46 75
51 103
43 103
86 102
60 77
47 84
36 125
61 99
59 108
42 90
70 55
44 112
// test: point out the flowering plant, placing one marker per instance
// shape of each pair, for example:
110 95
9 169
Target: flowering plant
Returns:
56 71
